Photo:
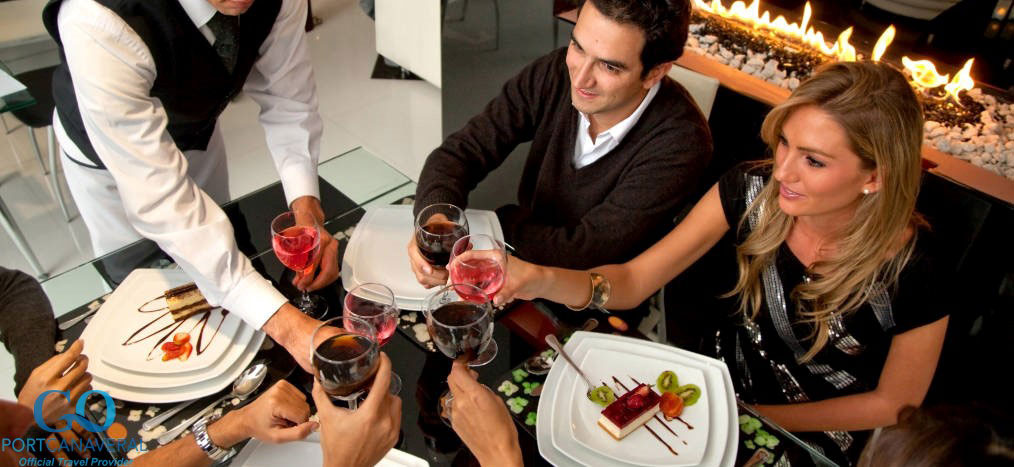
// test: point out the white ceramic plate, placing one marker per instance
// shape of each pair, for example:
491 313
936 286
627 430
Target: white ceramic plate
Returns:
639 447
377 251
183 393
307 453
120 319
557 445
114 374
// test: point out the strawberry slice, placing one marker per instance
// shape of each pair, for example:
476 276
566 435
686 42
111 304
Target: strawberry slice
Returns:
181 338
671 405
185 352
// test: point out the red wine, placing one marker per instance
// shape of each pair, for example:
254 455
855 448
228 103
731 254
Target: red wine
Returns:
296 247
460 328
436 240
350 365
485 274
384 318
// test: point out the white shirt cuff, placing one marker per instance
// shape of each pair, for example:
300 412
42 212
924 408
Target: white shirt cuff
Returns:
254 300
298 182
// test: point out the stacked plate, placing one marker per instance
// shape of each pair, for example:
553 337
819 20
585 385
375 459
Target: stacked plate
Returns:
377 251
567 429
124 344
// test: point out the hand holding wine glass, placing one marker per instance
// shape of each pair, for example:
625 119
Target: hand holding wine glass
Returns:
308 211
364 436
297 246
485 267
437 227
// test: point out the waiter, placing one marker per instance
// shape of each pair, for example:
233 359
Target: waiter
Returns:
138 97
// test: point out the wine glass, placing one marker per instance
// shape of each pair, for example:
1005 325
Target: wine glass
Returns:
345 362
373 303
297 246
484 268
460 328
437 227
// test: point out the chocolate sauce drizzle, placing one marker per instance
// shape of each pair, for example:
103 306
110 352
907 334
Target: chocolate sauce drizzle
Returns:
202 322
689 426
659 438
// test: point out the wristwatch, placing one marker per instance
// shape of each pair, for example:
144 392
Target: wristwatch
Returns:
214 452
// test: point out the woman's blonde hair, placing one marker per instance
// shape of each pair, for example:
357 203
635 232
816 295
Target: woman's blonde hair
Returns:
882 118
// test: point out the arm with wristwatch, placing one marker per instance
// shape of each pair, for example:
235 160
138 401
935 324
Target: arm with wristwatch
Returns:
279 415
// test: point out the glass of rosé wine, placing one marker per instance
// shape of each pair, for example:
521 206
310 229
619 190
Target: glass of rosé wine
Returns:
297 245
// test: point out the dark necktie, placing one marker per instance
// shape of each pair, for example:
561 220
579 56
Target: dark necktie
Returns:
226 31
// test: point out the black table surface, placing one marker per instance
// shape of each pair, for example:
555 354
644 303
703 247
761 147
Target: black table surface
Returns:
422 371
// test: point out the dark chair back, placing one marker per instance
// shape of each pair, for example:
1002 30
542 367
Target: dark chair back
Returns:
39 84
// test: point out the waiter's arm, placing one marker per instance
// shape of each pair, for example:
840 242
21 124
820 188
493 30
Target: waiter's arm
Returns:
127 129
282 83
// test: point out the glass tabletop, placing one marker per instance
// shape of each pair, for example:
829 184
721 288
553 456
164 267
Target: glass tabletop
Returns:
11 99
350 183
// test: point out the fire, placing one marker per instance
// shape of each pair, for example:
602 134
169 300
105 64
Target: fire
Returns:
961 82
923 72
885 40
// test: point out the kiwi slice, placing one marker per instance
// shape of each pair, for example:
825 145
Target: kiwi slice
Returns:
668 382
689 393
602 395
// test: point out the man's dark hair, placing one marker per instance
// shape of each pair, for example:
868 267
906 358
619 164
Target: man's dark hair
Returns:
665 24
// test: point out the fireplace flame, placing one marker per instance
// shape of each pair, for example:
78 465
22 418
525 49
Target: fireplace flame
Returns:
885 40
961 82
923 72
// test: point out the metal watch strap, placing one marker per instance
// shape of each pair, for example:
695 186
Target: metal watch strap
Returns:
213 451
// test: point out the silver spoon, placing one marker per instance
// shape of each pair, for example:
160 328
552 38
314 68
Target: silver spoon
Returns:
555 344
242 388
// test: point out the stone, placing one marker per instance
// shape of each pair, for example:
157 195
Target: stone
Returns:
792 83
940 130
726 54
748 69
755 62
930 125
736 62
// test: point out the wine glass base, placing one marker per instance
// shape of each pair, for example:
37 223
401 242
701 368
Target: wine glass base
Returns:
313 306
487 355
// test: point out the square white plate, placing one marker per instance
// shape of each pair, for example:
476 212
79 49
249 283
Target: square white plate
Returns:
639 447
377 251
559 447
121 319
307 452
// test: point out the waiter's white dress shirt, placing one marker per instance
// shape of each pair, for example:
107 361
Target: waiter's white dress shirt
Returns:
587 151
113 73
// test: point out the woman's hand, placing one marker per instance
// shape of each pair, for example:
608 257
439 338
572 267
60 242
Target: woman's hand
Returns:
525 281
481 419
64 372
279 415
428 275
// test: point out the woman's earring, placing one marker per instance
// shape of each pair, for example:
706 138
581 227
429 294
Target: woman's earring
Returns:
866 191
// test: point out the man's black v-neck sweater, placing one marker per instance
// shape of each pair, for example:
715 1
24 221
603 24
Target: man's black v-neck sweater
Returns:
606 212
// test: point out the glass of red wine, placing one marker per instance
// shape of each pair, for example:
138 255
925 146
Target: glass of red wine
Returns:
373 303
296 246
346 359
478 260
437 227
461 328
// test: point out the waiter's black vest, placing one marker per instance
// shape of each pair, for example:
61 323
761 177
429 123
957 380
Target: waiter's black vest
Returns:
192 83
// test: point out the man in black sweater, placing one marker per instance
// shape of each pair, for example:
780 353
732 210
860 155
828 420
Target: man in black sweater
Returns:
616 145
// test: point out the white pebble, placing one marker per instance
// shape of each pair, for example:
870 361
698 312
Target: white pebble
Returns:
1010 159
152 410
235 401
421 334
713 49
943 145
709 39
1009 173
94 305
977 161
748 69
694 28
726 54
938 131
989 100
975 93
930 125
137 451
410 317
755 62
736 62
148 435
135 415
60 345
970 132
793 83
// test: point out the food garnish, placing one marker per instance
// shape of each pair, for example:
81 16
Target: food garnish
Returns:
671 405
667 382
602 396
689 393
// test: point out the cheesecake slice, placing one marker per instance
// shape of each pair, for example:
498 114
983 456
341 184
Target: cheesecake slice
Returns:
185 301
629 411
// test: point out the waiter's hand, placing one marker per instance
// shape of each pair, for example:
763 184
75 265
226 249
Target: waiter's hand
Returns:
308 211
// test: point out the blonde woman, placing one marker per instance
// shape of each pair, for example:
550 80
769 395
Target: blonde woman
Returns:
841 319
